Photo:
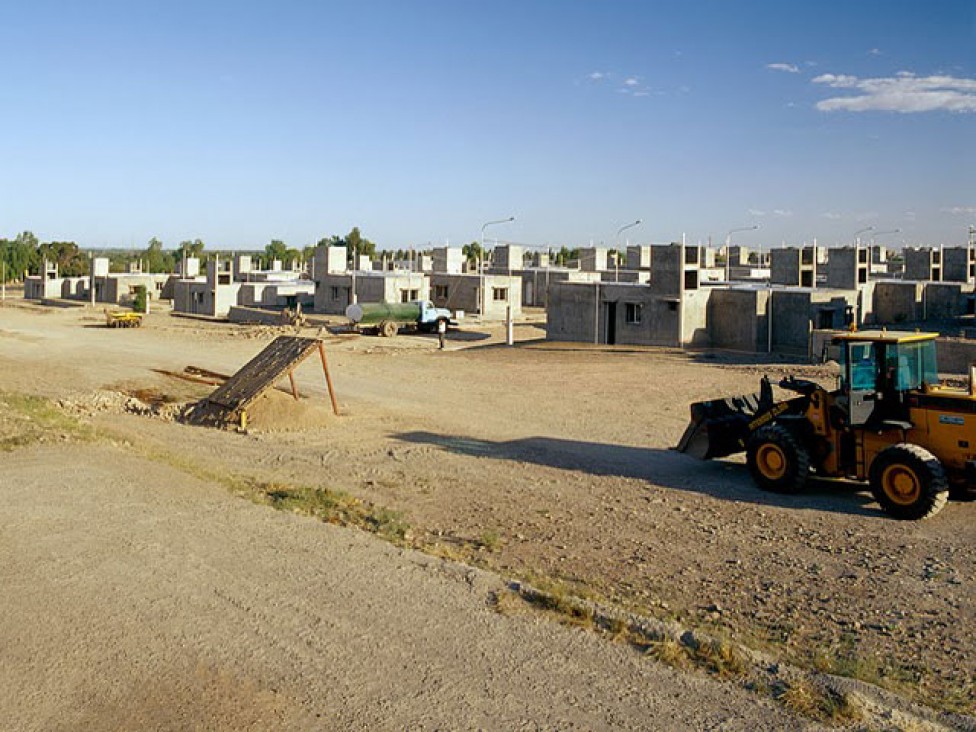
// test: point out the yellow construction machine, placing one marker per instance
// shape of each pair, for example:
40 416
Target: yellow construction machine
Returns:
122 319
889 422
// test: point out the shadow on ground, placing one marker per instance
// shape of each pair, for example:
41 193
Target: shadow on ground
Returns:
719 479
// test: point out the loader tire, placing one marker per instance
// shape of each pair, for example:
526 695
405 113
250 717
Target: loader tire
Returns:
388 329
777 460
909 482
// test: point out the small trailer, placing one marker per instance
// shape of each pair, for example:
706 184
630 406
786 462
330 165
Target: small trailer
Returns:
387 319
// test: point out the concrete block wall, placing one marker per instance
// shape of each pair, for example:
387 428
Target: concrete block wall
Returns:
329 260
794 266
737 319
848 267
449 260
958 264
507 257
923 263
674 269
638 257
943 300
897 302
593 259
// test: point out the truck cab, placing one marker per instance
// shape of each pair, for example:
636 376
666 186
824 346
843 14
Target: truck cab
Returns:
430 315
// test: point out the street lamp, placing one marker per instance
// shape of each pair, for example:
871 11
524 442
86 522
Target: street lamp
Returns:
728 243
481 264
859 232
616 247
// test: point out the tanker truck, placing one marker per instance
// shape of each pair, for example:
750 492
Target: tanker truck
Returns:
387 319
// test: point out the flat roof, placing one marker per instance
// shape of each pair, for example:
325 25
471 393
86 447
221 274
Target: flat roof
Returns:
886 336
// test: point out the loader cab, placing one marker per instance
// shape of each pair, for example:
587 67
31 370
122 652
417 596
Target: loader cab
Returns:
878 368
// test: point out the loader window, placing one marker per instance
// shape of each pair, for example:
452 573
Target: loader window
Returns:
863 367
911 364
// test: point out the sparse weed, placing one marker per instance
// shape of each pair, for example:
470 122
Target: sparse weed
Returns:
720 658
27 420
491 540
804 697
668 651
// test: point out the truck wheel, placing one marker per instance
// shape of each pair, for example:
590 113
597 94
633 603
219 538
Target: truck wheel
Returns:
777 461
388 328
909 482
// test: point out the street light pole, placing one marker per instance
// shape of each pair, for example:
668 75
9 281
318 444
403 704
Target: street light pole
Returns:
481 264
728 244
616 247
857 233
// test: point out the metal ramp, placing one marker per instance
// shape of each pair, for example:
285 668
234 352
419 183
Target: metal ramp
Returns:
281 357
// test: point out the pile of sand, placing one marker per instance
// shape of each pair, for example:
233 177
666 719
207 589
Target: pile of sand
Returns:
277 411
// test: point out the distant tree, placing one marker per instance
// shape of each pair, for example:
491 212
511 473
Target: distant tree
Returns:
472 252
308 253
277 249
356 244
71 261
156 260
188 248
564 256
20 255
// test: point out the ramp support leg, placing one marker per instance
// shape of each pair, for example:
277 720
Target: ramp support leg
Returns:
328 380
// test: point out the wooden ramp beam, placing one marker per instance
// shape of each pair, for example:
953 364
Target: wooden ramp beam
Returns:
280 357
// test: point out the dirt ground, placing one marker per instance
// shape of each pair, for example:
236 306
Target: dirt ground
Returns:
547 462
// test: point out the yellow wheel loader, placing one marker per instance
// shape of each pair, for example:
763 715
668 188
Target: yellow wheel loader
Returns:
889 422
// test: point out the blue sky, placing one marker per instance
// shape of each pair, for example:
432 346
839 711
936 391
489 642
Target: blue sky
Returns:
419 121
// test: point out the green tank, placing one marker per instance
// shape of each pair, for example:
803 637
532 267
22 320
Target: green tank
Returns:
374 313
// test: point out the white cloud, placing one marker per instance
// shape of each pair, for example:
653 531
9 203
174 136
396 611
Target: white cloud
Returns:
959 210
789 68
875 52
782 212
904 92
631 81
756 212
832 216
597 75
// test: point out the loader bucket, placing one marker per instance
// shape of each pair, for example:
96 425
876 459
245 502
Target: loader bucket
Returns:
720 427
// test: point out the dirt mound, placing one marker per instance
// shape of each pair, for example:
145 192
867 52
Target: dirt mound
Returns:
275 411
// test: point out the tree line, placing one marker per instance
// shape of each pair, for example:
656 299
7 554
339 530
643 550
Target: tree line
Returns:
25 254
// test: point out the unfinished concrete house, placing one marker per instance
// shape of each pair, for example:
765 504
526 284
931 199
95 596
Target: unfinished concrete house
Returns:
44 286
212 295
922 264
669 310
334 291
463 292
121 287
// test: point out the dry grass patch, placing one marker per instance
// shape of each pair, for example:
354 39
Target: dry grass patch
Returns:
28 420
